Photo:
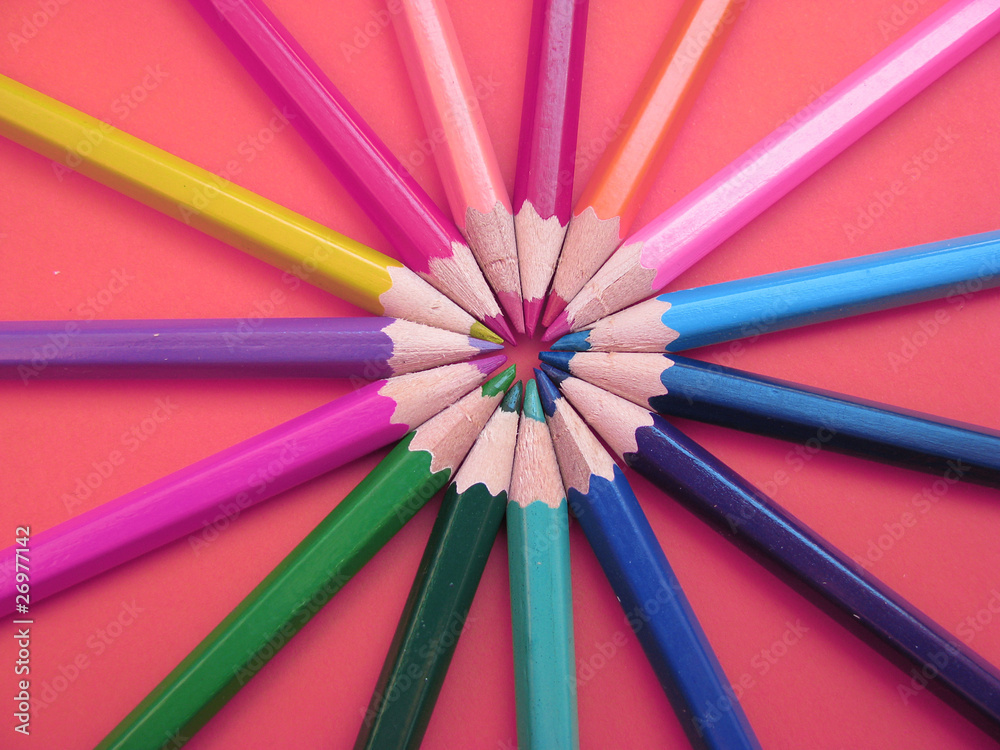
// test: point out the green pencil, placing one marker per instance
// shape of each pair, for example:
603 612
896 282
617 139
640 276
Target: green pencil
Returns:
541 600
445 584
309 576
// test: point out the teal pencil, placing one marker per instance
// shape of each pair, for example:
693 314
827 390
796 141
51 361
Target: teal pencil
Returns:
541 600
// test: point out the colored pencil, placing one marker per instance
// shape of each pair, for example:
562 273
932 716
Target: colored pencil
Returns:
453 118
369 348
541 595
659 252
817 419
713 491
645 585
423 236
309 576
711 314
442 592
546 151
604 213
302 248
213 492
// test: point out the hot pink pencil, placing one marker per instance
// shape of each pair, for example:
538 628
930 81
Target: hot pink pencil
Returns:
426 240
659 252
220 487
464 155
546 153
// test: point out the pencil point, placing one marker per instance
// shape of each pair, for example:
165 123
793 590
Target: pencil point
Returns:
553 307
556 375
498 324
573 342
532 311
532 407
559 327
512 401
490 364
511 304
559 360
500 382
479 331
486 346
547 392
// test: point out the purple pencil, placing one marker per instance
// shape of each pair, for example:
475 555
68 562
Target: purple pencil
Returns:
426 240
369 348
546 154
221 486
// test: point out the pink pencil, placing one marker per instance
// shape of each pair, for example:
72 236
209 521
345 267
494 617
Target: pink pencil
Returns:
426 240
464 154
214 491
659 252
546 153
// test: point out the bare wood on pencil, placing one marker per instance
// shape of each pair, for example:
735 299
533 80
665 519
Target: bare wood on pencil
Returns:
538 243
536 470
596 404
621 275
481 465
580 454
492 237
634 376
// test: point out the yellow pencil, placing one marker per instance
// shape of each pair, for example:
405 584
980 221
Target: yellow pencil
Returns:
297 245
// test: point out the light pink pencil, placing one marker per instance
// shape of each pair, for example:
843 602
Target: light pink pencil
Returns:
215 490
659 252
463 152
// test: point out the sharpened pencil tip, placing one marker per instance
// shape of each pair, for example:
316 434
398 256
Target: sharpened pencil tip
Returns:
489 364
479 331
511 305
532 407
500 382
512 401
486 346
547 392
553 307
498 324
556 375
559 327
557 359
573 342
532 312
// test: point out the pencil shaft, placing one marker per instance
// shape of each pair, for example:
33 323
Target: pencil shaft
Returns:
818 419
423 236
369 348
305 250
434 617
659 252
723 498
542 615
212 493
283 602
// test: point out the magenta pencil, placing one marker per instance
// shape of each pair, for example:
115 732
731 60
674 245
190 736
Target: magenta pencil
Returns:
659 252
426 240
225 484
550 115
368 348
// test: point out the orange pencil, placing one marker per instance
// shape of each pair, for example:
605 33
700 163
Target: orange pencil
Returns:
480 204
604 213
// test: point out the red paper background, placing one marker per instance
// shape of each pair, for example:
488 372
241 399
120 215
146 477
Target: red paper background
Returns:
63 238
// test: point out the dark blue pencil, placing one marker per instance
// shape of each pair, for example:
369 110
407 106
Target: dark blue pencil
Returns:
737 309
696 478
816 418
641 577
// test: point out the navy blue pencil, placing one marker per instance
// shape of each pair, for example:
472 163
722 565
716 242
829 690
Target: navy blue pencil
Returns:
683 387
705 315
634 562
696 478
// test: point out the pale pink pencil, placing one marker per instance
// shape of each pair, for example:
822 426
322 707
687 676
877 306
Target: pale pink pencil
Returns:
672 242
546 153
463 152
213 492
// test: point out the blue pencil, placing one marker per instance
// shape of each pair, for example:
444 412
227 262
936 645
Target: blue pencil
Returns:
634 562
696 478
787 299
816 418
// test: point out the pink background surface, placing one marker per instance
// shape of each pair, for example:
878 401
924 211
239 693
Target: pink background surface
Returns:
63 239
